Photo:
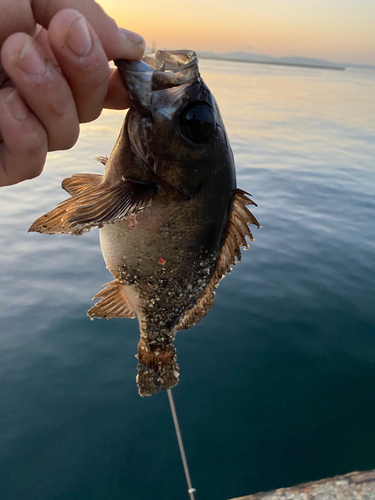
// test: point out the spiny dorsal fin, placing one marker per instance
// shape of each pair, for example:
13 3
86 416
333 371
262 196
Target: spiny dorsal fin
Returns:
101 159
230 254
78 183
95 207
237 232
113 304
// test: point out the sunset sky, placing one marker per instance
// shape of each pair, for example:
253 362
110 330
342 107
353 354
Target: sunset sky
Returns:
337 30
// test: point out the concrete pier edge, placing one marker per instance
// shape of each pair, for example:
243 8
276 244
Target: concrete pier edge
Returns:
352 486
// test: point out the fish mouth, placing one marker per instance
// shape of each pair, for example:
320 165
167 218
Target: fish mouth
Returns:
172 68
163 70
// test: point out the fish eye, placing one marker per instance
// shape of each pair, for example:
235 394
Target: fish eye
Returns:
198 123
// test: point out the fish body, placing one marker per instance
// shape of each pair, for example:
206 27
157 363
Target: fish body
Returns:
170 217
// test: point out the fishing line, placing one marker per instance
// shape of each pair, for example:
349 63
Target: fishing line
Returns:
191 490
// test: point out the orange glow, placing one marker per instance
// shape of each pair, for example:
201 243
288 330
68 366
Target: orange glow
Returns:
337 31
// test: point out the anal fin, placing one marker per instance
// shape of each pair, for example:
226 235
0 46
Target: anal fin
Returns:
200 309
96 206
78 183
113 304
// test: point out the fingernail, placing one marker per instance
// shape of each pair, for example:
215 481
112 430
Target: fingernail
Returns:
16 106
133 37
31 60
79 38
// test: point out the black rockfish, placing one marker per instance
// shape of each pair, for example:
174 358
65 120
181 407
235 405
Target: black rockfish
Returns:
170 216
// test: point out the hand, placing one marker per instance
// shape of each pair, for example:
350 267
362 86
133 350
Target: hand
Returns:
56 59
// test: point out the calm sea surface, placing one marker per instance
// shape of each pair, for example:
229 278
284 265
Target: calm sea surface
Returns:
277 382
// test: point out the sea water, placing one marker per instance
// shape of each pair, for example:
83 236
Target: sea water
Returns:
277 382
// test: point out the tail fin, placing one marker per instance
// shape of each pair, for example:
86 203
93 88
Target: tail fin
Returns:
157 369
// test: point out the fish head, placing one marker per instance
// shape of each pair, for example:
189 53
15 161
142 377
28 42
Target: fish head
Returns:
174 124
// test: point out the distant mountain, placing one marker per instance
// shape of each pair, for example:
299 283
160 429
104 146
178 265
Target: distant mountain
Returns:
290 60
309 60
247 56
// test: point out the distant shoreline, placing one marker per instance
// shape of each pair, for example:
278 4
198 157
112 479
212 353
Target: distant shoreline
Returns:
273 63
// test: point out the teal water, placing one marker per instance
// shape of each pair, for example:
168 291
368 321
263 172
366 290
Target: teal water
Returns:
277 382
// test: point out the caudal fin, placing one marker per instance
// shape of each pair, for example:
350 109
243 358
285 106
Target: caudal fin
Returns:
157 369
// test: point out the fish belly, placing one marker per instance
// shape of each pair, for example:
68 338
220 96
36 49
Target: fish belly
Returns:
159 262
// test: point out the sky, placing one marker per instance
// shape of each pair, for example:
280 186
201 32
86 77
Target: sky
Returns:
336 30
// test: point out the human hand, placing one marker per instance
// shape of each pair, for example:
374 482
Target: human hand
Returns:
58 77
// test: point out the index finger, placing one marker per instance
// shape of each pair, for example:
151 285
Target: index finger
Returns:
23 16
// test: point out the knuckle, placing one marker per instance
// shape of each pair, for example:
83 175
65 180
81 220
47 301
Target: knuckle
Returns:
35 150
91 108
14 170
34 171
89 115
72 138
112 26
66 139
32 154
35 146
19 18
58 102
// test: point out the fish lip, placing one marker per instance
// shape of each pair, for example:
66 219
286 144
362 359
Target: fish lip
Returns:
174 68
163 70
175 61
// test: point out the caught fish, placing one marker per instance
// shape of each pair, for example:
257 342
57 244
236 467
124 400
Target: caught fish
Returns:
171 219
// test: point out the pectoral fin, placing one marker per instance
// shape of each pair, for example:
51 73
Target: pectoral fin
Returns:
78 183
237 232
96 206
113 304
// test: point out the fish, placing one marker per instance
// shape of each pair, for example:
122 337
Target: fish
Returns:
171 219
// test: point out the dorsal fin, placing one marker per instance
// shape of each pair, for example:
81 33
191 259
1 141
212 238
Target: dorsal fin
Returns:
230 254
113 304
96 206
237 232
101 159
78 183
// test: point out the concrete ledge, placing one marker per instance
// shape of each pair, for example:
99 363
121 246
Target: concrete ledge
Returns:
352 486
